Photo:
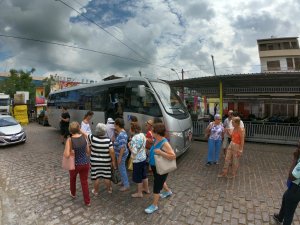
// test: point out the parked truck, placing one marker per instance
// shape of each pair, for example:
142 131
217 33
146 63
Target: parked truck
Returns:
4 104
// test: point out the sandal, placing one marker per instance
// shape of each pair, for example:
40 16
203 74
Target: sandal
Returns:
222 175
110 190
73 196
94 192
137 195
146 192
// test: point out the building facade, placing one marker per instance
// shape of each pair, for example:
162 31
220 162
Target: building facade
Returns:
261 94
279 54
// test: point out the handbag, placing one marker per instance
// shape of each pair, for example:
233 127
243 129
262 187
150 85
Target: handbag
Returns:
163 165
68 163
115 176
130 164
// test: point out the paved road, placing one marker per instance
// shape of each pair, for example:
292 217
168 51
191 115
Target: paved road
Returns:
34 188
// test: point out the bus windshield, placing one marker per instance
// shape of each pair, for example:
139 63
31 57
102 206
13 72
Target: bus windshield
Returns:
169 99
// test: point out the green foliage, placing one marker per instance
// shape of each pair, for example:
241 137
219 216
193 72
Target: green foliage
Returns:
19 81
47 83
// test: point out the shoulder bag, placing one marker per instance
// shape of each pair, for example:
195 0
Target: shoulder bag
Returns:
115 175
68 163
163 165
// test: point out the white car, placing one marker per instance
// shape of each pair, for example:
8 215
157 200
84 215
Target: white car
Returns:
11 132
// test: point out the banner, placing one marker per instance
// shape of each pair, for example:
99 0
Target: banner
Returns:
40 95
66 84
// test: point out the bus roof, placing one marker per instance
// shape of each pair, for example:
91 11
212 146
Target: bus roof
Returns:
115 81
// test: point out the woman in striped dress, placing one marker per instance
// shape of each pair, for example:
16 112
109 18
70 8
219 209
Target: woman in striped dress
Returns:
102 158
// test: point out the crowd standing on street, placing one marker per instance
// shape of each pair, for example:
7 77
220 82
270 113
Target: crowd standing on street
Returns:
109 147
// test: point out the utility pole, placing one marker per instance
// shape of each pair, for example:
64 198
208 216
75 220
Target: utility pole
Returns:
182 76
213 61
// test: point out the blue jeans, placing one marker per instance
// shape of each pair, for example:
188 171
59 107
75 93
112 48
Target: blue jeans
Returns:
214 148
123 170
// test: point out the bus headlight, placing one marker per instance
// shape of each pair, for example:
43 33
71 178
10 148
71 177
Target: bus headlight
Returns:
176 134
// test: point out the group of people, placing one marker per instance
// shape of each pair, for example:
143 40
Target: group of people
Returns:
232 135
109 147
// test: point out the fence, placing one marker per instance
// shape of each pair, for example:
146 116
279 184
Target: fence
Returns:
279 133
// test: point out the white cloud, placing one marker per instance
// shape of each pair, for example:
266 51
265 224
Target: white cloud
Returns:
167 34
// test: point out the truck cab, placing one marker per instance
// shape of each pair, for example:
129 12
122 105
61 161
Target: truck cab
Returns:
4 104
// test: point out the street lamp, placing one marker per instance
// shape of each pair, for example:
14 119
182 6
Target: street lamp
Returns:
176 73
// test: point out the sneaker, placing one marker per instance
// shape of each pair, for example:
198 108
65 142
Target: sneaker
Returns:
151 209
276 218
208 164
165 194
216 163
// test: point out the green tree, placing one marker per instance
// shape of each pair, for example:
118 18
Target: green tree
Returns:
19 81
48 82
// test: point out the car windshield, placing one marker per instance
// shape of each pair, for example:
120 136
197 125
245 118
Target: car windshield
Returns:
7 121
4 102
171 102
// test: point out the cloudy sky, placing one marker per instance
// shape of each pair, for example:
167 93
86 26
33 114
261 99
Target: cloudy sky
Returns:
123 37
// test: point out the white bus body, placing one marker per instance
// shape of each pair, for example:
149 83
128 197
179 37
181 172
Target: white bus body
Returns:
4 104
126 97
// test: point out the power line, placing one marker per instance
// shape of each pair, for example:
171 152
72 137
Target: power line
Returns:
92 21
84 49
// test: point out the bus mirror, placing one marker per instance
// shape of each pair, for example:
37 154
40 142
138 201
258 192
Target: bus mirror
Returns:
141 91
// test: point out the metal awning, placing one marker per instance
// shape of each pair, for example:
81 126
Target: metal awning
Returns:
287 79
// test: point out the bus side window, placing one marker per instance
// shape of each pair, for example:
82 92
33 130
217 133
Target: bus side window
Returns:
99 101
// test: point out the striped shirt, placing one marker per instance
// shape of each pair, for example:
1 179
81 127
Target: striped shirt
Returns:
100 157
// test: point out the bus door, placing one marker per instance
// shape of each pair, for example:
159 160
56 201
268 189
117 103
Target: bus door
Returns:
140 102
115 106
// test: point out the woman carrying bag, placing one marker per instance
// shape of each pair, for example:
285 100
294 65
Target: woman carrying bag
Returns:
160 147
77 145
